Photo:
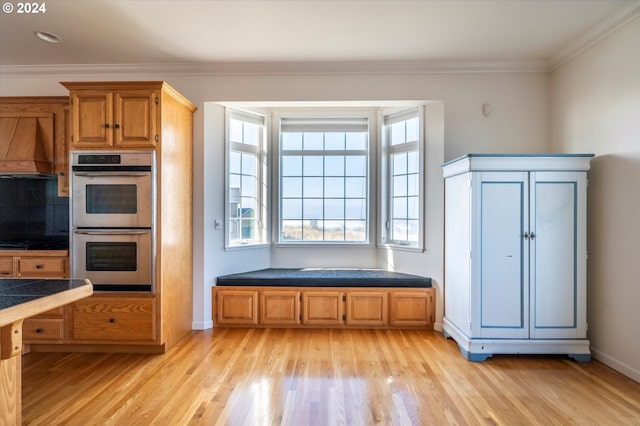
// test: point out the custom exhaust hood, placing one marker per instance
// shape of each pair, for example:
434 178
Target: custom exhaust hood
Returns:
26 144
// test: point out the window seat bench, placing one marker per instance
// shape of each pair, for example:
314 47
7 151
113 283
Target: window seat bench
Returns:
323 298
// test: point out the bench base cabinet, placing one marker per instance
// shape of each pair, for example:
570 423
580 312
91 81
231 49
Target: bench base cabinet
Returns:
323 307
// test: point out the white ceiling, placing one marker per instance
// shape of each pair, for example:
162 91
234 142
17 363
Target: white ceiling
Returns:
242 32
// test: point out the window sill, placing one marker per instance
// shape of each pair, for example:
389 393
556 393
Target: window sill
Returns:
398 247
246 246
299 244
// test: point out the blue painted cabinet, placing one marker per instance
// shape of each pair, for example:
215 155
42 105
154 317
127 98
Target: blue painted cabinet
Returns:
515 254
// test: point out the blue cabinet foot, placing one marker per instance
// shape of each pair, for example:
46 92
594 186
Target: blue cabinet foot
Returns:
474 357
581 357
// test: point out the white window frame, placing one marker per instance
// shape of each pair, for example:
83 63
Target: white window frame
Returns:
261 172
370 116
385 228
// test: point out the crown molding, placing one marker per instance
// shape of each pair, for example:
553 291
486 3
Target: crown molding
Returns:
279 68
614 22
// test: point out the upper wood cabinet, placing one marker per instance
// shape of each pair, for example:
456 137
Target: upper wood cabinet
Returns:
34 136
114 118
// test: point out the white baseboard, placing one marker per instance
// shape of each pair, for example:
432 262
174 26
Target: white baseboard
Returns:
620 367
201 325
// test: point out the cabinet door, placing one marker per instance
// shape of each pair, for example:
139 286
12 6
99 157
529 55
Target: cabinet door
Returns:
237 307
135 124
92 119
558 255
411 308
323 307
500 256
279 307
367 308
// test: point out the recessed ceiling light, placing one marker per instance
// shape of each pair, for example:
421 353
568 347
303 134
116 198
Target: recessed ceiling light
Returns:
48 37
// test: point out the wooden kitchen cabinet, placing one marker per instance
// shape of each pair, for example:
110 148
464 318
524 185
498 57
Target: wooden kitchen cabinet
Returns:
43 267
100 319
320 307
367 308
6 267
237 307
280 307
127 117
50 150
323 307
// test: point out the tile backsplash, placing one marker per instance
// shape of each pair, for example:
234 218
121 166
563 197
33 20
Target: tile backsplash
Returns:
30 210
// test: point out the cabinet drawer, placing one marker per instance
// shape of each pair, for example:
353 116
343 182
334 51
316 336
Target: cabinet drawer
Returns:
53 267
6 267
114 319
36 329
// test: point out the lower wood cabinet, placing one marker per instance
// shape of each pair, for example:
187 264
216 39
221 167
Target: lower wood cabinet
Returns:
321 307
113 319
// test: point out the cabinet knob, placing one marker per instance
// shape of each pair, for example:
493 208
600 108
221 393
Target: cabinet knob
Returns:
112 320
39 266
106 125
116 126
526 235
39 330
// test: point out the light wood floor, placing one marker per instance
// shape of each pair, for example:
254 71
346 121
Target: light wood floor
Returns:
321 377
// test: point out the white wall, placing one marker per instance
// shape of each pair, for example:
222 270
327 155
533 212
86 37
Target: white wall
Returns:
595 107
518 123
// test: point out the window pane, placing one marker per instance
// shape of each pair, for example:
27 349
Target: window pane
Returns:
413 208
252 134
334 165
312 187
412 129
235 130
312 230
333 230
399 230
292 141
399 164
356 187
334 187
291 187
413 185
356 141
292 165
248 186
356 230
234 184
399 208
249 164
292 230
412 162
334 209
312 140
355 208
313 165
399 186
398 135
356 165
248 231
292 208
312 208
334 141
247 207
234 162
413 230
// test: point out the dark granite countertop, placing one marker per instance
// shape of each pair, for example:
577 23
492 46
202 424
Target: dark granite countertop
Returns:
24 291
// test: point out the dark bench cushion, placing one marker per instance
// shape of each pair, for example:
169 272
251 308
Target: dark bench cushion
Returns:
324 277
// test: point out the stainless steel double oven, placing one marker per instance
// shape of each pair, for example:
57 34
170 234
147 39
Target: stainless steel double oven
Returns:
113 219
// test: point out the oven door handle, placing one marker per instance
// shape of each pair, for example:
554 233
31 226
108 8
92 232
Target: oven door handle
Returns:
116 174
111 232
